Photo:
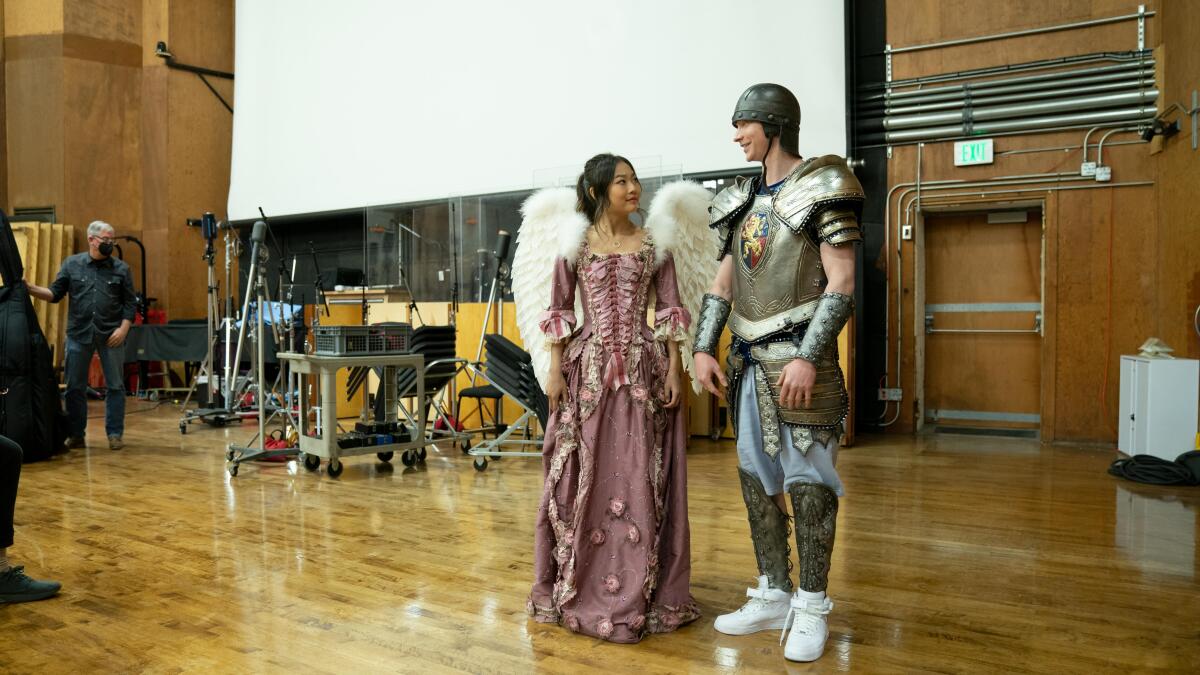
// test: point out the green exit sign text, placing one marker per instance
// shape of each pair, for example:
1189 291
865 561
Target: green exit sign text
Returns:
975 151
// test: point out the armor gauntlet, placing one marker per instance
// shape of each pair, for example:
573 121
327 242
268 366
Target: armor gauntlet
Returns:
833 310
714 312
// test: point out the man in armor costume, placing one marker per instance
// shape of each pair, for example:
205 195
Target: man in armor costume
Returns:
785 287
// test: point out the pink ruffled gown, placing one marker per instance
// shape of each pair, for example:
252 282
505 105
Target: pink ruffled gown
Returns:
612 552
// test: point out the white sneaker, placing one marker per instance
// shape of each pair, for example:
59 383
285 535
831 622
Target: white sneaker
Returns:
767 609
810 629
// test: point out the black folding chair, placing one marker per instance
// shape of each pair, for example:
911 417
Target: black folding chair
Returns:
509 369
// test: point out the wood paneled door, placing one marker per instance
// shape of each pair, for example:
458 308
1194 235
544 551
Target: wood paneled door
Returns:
983 319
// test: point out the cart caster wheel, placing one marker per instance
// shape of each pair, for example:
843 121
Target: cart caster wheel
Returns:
715 434
334 468
466 447
183 428
481 463
408 458
153 396
312 462
386 456
229 455
233 469
422 454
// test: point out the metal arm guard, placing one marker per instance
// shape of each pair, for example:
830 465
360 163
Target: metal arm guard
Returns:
833 310
714 312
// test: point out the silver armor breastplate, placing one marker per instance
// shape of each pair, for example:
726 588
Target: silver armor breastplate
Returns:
777 278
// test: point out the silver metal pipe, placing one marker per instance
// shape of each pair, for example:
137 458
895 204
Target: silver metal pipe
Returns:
1041 80
1120 58
877 140
1033 331
995 127
1021 33
1100 146
1021 109
1057 148
1077 88
879 117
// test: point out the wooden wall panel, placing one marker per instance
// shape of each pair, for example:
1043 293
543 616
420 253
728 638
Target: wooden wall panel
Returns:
115 20
200 132
102 131
33 17
34 99
1178 253
1079 345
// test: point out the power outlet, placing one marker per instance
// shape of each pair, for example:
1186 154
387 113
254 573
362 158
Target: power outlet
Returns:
1087 169
891 394
906 232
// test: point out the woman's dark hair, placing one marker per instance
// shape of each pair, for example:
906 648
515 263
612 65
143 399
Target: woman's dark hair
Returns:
596 177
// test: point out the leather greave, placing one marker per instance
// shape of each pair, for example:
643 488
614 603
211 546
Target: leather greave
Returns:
815 508
769 532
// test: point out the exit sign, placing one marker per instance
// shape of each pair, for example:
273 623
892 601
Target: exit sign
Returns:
968 153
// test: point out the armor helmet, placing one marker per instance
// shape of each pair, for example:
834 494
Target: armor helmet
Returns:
778 111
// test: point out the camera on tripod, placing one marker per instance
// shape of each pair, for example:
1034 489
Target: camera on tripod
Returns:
208 224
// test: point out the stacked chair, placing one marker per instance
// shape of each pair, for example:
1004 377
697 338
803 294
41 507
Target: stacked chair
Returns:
437 345
509 369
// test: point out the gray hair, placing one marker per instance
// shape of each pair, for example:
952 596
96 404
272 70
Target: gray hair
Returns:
98 227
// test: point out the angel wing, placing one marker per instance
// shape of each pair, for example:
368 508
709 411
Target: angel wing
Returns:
550 228
678 221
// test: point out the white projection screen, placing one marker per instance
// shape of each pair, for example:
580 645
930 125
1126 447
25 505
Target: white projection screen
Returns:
357 103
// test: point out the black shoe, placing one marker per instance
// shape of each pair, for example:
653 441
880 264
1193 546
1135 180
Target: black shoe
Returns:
16 587
74 442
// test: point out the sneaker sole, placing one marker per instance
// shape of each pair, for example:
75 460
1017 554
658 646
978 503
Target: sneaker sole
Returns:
13 599
750 630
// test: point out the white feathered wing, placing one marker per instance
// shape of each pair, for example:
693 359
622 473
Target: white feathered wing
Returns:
678 222
550 228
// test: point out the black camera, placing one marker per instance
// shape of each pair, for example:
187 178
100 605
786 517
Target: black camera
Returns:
207 223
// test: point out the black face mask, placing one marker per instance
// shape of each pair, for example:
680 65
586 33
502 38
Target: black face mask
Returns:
105 248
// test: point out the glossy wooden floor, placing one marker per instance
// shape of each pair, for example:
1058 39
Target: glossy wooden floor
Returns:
955 554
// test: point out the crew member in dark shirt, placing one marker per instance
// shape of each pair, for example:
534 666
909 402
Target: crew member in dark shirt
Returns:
102 309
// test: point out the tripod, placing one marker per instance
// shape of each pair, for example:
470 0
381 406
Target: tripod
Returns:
225 389
256 283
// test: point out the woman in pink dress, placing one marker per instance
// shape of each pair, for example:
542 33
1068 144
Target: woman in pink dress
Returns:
612 547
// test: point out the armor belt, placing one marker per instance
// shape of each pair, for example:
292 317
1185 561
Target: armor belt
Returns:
830 401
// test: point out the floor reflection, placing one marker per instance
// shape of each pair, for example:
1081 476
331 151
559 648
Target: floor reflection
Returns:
1156 532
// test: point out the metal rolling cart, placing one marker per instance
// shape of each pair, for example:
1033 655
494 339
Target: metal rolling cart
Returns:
385 348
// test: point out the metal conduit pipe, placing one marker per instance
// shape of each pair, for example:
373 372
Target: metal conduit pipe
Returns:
970 113
1100 146
1058 148
938 199
866 141
1141 14
1025 83
881 118
1088 136
1120 58
998 126
1083 89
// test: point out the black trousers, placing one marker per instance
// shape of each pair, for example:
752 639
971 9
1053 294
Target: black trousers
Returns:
10 476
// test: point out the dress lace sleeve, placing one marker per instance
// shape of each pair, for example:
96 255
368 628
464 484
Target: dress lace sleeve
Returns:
558 321
671 319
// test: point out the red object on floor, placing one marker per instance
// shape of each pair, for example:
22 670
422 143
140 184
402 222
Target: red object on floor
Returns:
440 424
